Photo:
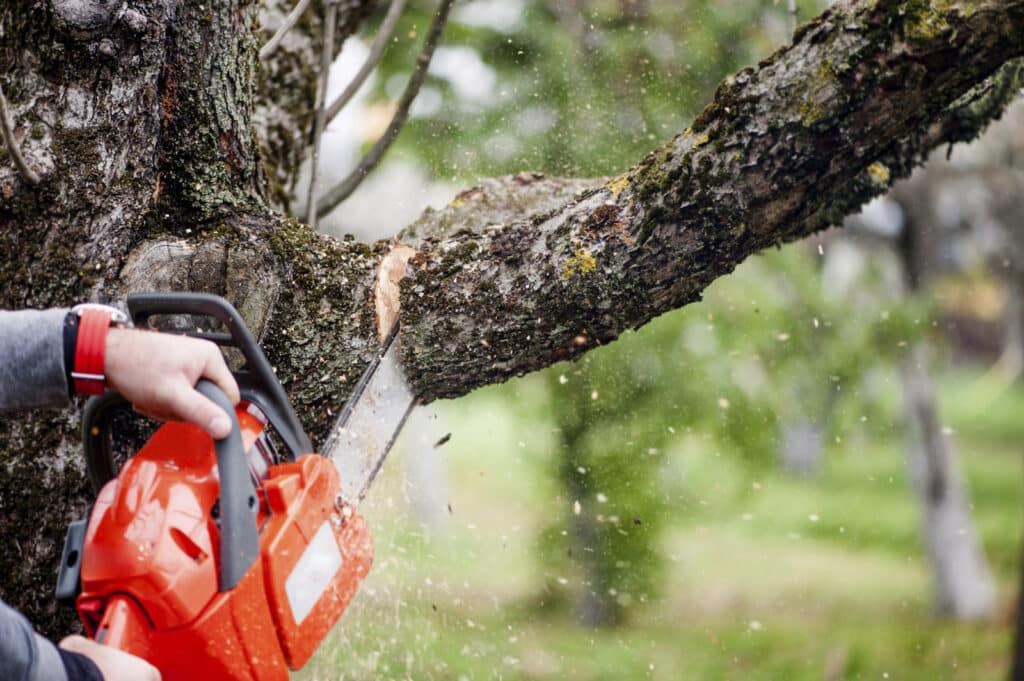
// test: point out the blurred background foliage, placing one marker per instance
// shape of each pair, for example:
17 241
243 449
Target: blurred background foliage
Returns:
638 513
572 88
769 347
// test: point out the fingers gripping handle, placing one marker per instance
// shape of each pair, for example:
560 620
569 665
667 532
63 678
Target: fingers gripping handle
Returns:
239 538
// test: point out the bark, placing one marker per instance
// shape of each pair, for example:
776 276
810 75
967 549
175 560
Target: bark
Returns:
144 123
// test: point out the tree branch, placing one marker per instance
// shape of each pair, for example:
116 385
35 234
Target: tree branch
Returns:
289 22
286 92
7 130
345 188
387 29
863 94
327 58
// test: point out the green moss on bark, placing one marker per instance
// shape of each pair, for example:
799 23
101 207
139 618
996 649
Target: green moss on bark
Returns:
323 333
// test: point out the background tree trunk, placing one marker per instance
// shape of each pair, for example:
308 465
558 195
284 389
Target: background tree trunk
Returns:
140 121
589 546
963 583
802 449
1011 359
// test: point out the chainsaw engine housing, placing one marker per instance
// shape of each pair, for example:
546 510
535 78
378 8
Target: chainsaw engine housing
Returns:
152 542
221 561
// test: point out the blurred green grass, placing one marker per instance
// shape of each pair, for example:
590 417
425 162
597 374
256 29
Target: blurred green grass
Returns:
770 577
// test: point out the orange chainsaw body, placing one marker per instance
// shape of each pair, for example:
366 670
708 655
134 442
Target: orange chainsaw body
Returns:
149 570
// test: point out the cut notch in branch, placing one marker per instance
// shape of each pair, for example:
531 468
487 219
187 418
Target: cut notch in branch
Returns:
7 130
345 188
387 29
386 289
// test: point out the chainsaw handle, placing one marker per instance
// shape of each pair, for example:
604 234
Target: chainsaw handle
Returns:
239 538
257 381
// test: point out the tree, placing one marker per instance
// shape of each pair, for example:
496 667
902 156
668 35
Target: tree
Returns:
157 140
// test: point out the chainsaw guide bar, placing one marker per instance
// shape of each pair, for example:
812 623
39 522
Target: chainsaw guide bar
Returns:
370 422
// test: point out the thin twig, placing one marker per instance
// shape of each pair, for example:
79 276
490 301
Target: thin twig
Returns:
345 188
792 17
387 28
7 129
289 21
326 59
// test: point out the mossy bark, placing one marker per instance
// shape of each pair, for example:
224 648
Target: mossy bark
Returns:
141 122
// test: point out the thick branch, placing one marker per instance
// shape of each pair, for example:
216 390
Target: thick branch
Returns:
783 151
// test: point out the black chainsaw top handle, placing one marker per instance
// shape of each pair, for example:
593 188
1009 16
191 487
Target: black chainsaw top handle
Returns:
257 381
239 537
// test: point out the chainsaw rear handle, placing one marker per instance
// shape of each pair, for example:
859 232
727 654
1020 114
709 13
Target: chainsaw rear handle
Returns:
239 537
257 381
97 415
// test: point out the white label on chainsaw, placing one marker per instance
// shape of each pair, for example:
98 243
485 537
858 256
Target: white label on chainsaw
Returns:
311 575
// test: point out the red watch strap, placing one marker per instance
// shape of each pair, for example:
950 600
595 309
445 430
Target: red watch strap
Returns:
90 347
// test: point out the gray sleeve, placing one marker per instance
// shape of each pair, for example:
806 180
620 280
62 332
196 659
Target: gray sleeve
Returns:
32 359
25 655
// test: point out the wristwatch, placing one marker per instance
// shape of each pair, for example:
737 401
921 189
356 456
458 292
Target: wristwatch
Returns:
85 341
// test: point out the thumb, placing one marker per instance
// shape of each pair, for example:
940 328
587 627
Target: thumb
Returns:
212 419
192 406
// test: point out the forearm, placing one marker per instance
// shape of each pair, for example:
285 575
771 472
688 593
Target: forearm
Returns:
32 373
24 655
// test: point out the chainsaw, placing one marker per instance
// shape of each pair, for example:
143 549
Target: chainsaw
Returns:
229 560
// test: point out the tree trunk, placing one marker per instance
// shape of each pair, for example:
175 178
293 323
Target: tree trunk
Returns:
1011 359
802 449
595 606
963 584
595 603
1017 661
140 120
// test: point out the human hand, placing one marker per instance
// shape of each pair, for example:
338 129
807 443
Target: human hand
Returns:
157 373
114 664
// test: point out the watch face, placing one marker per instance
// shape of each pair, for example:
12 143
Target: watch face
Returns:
116 315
